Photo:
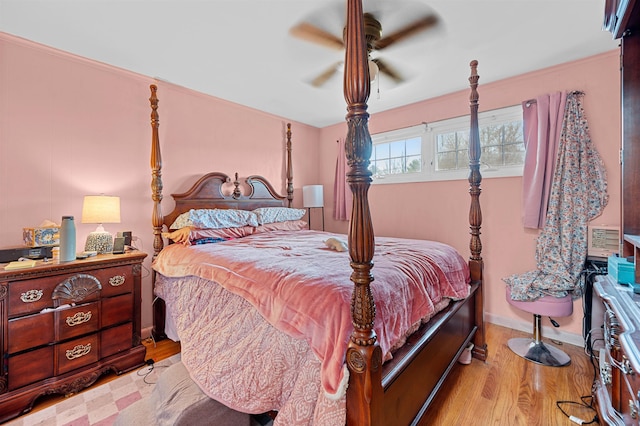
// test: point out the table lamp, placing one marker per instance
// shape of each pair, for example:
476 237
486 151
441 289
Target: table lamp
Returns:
313 197
100 209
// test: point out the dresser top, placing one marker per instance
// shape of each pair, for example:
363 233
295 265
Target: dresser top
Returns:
49 267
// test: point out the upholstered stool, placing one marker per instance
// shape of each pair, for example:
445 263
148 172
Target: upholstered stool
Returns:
534 349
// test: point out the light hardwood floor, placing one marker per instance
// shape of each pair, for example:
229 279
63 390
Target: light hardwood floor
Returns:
509 390
158 351
504 390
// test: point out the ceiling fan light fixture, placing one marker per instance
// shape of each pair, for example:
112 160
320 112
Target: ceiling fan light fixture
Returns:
374 42
373 70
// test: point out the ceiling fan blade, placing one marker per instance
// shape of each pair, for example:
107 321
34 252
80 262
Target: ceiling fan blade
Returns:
408 31
308 32
326 75
384 68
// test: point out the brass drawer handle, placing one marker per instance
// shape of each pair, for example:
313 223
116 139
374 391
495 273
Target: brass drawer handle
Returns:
116 280
78 351
79 318
31 296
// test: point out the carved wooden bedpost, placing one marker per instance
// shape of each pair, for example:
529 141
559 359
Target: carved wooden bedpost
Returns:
156 219
289 168
364 356
476 263
156 174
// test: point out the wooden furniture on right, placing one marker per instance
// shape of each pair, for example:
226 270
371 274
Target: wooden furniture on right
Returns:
617 386
622 18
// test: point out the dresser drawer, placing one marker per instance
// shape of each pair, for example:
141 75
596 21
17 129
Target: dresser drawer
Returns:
30 332
26 297
31 296
77 353
76 321
116 339
116 280
30 367
116 310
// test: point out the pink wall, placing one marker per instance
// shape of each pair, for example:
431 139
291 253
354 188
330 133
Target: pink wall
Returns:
440 210
71 127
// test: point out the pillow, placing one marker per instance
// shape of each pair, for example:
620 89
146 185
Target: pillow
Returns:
287 225
226 233
189 234
182 221
208 240
278 214
215 219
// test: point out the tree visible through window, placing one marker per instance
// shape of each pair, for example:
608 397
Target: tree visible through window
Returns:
502 144
439 150
397 157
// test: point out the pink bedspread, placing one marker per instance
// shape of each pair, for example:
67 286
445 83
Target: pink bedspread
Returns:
237 358
303 289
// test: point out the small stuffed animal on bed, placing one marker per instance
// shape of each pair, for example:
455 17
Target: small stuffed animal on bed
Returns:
336 244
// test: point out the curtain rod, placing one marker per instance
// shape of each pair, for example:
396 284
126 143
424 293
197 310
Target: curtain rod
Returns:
528 102
399 128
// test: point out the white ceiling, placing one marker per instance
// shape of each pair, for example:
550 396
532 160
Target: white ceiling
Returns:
241 50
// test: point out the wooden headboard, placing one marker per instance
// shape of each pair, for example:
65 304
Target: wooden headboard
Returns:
208 192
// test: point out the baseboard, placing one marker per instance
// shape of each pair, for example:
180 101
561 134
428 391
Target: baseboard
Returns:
548 332
145 333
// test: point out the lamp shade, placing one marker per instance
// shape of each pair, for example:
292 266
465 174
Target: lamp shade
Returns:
312 196
101 209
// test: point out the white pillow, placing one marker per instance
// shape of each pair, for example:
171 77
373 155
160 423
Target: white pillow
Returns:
215 219
278 214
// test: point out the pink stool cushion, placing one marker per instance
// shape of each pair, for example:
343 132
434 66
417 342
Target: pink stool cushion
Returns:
548 306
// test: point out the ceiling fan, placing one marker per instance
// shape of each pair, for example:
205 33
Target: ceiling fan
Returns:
375 43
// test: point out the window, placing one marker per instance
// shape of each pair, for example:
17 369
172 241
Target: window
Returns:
439 150
397 157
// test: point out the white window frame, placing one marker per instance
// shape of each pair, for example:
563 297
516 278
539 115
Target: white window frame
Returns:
428 134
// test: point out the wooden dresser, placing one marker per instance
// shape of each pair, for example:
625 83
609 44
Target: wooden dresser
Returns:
65 324
617 386
616 389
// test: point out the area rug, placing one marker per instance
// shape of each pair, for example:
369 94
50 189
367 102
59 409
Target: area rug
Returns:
98 405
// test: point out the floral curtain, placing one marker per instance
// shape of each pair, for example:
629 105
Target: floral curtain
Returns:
578 195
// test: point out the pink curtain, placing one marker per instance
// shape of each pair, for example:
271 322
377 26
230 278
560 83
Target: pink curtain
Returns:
542 126
342 197
578 195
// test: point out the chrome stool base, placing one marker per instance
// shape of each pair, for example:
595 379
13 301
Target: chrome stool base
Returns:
538 352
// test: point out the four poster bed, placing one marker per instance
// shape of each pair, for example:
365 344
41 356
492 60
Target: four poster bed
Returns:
273 317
